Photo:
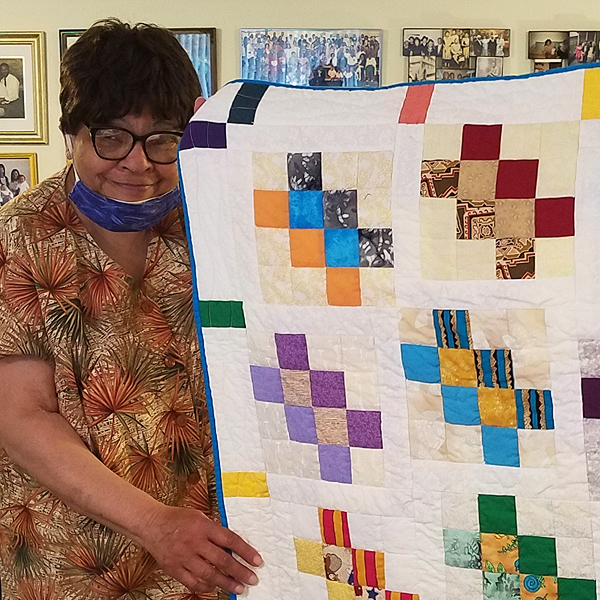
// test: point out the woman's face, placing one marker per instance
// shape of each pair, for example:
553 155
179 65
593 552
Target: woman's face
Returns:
133 178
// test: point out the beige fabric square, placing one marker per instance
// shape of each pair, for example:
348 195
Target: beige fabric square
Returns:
416 326
575 558
361 390
535 516
367 466
477 179
374 207
463 584
464 443
572 519
515 218
554 257
460 511
262 350
276 284
442 142
556 176
527 327
339 170
427 440
424 401
377 287
536 448
325 352
272 424
438 218
296 387
375 170
521 141
305 460
476 259
273 246
358 354
332 426
531 368
308 287
269 171
489 329
438 259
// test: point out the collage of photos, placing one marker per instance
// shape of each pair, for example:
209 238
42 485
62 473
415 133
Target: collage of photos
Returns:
451 54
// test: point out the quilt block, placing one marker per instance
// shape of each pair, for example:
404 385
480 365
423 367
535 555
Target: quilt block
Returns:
396 292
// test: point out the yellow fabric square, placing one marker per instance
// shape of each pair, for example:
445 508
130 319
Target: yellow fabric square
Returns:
463 443
457 367
438 259
554 257
374 207
377 287
375 170
497 407
521 141
591 94
416 326
308 286
340 170
536 448
442 142
438 218
548 589
475 259
269 171
276 284
272 246
424 401
245 485
309 557
340 591
499 549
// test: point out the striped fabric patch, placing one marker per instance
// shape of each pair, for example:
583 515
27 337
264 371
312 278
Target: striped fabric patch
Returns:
368 567
452 329
494 369
534 409
334 527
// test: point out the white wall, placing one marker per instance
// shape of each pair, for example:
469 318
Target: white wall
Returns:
228 16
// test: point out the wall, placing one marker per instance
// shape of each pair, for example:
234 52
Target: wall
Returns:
228 16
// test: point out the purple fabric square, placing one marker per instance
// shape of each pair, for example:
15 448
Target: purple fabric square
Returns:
292 351
266 382
364 429
301 424
328 389
590 391
203 134
335 463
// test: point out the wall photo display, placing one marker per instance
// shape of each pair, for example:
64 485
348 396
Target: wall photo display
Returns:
348 58
18 172
23 98
584 47
548 45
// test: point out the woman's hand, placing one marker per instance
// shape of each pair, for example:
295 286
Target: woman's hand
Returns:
191 548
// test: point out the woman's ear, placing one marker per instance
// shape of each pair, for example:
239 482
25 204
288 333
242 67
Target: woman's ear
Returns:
199 102
69 146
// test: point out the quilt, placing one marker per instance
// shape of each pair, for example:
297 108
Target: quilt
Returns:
398 298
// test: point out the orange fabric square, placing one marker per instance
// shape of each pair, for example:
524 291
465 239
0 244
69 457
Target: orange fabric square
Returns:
496 550
307 247
271 209
343 286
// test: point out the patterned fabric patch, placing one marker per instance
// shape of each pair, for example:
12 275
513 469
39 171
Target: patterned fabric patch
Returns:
439 178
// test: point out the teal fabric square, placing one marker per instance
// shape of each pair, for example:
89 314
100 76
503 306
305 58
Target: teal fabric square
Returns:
421 363
306 209
460 405
500 446
462 549
341 248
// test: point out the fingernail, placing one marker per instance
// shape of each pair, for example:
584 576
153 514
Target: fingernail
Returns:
239 589
253 579
258 561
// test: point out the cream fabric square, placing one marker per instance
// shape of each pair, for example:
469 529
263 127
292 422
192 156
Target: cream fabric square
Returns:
375 170
489 329
560 139
521 141
427 440
367 466
554 257
377 287
476 259
558 159
262 349
339 170
424 401
535 516
269 171
361 390
271 421
442 142
464 443
536 448
374 207
463 584
278 456
527 327
438 259
358 353
460 512
325 352
416 326
276 284
438 218
305 460
272 246
575 558
308 287
531 367
572 519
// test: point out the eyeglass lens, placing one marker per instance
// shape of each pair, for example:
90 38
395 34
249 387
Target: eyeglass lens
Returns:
115 144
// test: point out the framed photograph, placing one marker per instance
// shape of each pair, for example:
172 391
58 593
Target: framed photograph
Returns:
317 57
23 98
583 47
422 42
199 43
490 42
454 74
421 68
489 66
548 45
546 65
18 172
456 48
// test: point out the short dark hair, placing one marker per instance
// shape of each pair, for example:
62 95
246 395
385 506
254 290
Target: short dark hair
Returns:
115 69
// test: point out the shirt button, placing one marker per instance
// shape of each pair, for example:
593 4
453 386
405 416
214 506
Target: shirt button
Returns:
147 306
193 478
170 362
181 420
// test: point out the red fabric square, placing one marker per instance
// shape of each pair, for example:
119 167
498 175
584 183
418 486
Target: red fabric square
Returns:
517 179
481 142
554 217
416 104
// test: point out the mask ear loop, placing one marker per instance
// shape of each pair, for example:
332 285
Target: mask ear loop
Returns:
69 143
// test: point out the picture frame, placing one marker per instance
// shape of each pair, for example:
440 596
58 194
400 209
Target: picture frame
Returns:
584 47
349 58
23 96
548 45
24 164
200 43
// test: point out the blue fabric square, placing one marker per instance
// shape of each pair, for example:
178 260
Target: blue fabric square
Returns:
306 209
421 363
460 405
341 248
500 446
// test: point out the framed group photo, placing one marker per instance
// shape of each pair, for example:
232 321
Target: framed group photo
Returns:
18 172
548 45
584 47
199 42
23 98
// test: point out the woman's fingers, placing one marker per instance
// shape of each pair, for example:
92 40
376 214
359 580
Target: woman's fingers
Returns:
225 538
228 565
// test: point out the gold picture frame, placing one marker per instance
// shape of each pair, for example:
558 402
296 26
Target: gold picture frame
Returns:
24 163
24 119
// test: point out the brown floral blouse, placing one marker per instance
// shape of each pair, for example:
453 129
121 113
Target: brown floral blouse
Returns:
129 381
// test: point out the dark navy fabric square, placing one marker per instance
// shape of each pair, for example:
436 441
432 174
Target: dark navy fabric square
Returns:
340 209
306 209
244 105
204 134
341 247
304 171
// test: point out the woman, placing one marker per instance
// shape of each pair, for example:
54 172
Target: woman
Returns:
3 177
107 483
13 184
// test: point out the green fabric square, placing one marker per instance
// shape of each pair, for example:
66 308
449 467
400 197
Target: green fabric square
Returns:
537 555
237 315
497 514
220 313
204 313
576 589
462 549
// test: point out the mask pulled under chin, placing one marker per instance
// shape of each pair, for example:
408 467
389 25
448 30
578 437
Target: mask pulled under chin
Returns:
117 215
